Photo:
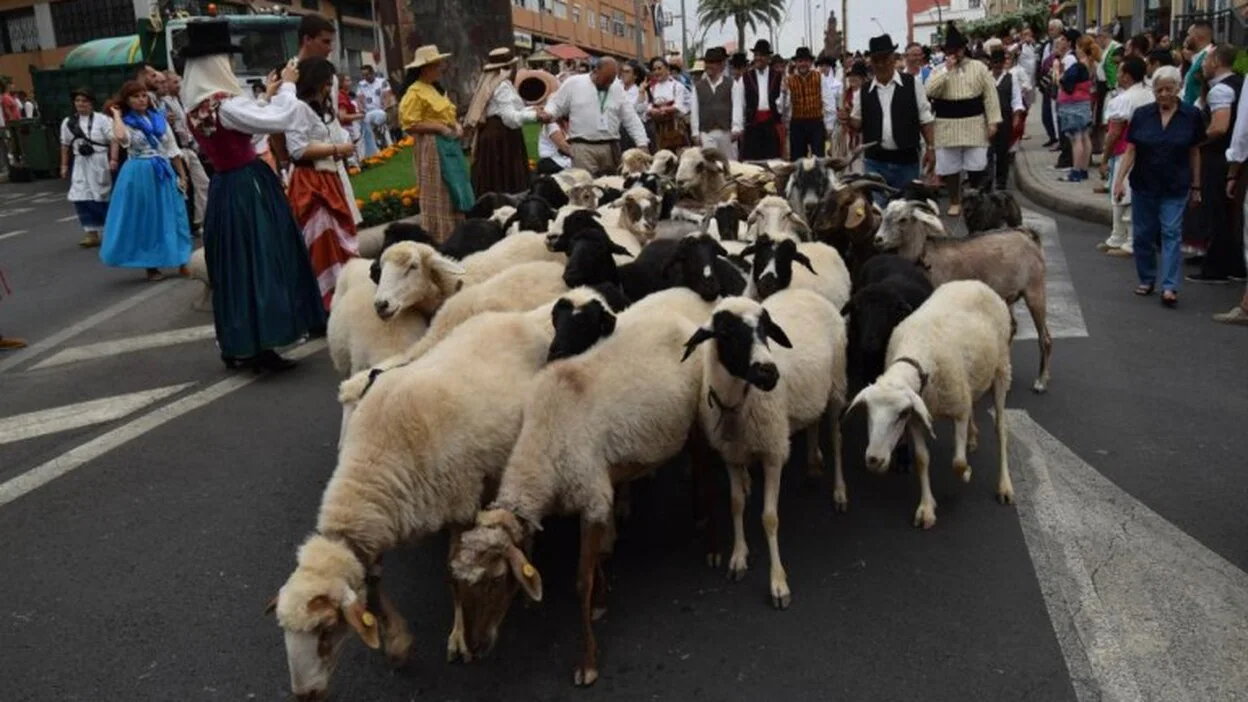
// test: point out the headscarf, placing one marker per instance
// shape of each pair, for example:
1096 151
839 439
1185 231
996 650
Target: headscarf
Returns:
481 99
206 76
153 124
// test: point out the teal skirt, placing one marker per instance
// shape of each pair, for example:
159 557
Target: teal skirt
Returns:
264 294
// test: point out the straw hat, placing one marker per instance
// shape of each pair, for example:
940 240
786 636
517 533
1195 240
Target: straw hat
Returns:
426 55
500 58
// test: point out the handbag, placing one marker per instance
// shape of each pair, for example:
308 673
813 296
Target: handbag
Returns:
454 168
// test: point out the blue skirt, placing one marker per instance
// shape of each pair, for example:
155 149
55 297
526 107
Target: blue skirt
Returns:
146 225
264 294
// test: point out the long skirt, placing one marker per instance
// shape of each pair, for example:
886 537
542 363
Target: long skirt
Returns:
437 216
147 226
264 295
320 208
500 161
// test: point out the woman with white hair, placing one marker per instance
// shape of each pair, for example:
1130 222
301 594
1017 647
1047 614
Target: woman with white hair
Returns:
1164 142
264 294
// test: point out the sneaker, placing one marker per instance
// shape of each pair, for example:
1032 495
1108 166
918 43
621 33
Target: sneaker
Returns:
90 240
11 344
1237 316
1208 279
1120 253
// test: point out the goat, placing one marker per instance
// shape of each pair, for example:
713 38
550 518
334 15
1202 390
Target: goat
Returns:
774 217
847 220
664 163
702 177
726 221
635 161
986 210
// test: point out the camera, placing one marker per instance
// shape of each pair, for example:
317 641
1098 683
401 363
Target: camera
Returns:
85 150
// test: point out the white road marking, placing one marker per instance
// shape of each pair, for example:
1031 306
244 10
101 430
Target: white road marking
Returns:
82 414
41 347
48 200
1065 315
1142 610
66 219
10 235
15 210
75 458
104 349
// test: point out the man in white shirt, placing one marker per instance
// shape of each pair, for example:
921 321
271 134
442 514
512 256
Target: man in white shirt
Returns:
1027 58
373 90
597 109
893 113
718 106
1236 155
1132 94
1010 97
826 65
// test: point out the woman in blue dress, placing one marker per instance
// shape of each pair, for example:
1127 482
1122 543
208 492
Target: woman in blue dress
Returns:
147 226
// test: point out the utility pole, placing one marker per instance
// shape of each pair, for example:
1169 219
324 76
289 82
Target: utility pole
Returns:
844 32
808 36
641 51
684 32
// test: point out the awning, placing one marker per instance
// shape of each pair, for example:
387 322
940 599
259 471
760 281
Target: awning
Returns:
568 52
540 56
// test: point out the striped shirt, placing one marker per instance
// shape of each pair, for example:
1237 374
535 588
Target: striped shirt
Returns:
971 80
805 95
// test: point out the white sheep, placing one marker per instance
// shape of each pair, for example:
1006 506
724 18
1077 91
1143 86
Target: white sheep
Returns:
703 178
756 397
591 422
940 360
426 441
522 247
819 267
635 162
774 217
664 163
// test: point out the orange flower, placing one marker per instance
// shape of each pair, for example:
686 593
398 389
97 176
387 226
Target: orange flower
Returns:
353 171
407 202
375 197
359 202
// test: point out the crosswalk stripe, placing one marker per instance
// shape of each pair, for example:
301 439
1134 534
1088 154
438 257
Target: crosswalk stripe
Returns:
15 210
66 219
82 414
1141 610
1065 315
104 349
10 235
75 458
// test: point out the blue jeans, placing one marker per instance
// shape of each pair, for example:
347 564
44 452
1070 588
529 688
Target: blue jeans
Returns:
373 118
897 175
1156 219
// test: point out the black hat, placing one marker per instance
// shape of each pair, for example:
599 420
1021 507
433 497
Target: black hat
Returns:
882 44
762 46
825 60
858 69
953 38
803 54
207 38
738 60
997 55
715 54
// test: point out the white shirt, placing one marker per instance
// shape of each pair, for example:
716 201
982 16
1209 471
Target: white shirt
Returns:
546 147
1027 59
1016 93
1221 95
831 99
885 92
90 179
633 93
826 97
593 115
307 128
764 89
371 93
671 91
507 105
1125 104
29 109
1238 151
738 103
1022 78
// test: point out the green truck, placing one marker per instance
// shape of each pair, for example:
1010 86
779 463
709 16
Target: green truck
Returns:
101 66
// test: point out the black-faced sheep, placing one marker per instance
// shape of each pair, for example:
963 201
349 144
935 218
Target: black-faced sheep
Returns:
550 190
987 210
940 360
697 262
819 268
888 290
488 203
533 214
726 221
1009 261
472 236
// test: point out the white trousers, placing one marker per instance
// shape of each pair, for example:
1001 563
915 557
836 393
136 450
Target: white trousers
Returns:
722 140
956 159
1120 233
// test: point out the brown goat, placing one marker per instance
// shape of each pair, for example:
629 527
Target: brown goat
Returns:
847 220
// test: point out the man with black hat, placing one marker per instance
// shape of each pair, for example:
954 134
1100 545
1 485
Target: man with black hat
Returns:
737 65
1010 94
964 100
761 86
804 105
717 117
892 114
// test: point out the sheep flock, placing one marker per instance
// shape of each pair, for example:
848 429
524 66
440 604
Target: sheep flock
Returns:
574 338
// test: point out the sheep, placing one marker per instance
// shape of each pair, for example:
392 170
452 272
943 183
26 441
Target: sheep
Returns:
888 290
754 181
427 441
773 216
373 240
664 163
584 195
639 213
635 161
847 220
940 360
726 221
533 214
605 417
990 210
801 383
572 218
524 247
571 177
702 178
489 203
472 236
822 269
662 186
579 328
550 190
615 182
1010 261
697 262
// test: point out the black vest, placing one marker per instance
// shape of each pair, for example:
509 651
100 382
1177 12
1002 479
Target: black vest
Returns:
1215 151
904 111
1005 97
774 79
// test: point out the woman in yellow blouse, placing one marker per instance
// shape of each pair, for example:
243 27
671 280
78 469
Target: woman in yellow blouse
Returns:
441 170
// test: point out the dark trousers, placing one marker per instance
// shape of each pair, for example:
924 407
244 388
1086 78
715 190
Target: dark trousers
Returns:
760 141
547 166
807 135
1224 256
1001 156
1048 117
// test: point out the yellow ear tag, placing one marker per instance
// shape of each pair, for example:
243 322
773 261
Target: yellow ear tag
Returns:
860 211
368 619
528 570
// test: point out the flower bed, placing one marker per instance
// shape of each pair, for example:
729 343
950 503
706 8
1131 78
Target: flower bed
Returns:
388 205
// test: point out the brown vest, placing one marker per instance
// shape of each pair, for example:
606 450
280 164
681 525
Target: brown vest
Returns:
714 104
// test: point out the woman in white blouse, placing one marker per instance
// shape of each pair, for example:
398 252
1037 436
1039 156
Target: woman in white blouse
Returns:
86 138
317 198
669 108
495 116
632 78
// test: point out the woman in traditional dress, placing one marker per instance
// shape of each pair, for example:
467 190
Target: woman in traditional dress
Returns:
315 191
669 107
146 226
495 116
264 295
441 169
87 139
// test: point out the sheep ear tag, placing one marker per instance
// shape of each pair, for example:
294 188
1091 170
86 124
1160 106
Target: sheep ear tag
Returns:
702 334
856 215
524 572
364 623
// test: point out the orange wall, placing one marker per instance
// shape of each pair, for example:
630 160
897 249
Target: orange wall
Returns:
17 66
581 34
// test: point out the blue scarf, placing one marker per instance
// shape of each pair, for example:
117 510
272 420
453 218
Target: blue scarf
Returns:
153 126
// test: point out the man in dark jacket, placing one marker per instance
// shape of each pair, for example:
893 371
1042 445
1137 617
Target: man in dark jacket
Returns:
762 106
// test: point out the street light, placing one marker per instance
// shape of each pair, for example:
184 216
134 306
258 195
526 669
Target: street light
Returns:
877 23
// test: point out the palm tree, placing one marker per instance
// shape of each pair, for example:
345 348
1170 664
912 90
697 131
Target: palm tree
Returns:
743 13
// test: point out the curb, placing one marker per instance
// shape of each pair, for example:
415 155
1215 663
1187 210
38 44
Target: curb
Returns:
1034 188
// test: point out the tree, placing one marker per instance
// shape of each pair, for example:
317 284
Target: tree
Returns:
742 13
467 29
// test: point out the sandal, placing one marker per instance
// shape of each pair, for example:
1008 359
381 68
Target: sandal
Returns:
1169 298
1143 290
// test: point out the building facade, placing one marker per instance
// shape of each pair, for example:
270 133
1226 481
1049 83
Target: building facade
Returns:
598 27
926 18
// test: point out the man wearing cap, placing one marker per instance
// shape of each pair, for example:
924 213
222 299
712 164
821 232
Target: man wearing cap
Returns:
964 100
892 114
762 85
1009 94
718 114
597 109
373 91
495 116
804 105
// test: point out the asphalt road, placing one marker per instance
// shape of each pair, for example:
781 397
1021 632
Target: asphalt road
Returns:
139 568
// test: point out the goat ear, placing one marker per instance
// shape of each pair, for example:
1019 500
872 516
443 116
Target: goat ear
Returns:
618 250
374 271
859 399
528 577
364 623
702 334
805 261
857 213
799 223
920 411
774 332
561 306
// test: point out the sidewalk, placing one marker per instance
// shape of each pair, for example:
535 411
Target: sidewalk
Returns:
1036 178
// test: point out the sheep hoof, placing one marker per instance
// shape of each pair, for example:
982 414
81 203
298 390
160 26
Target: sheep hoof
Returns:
1006 495
925 517
737 568
714 560
457 648
598 613
840 500
963 470
584 677
780 596
1040 386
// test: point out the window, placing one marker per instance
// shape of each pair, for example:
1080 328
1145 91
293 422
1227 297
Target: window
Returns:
561 9
973 4
314 5
18 31
78 22
576 14
630 30
533 5
617 23
604 22
517 3
590 19
547 6
355 8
